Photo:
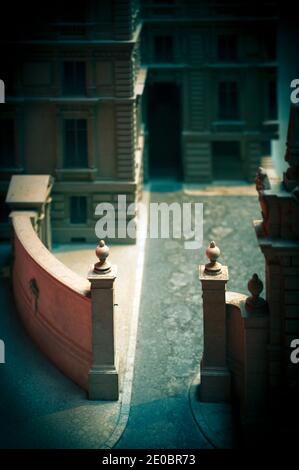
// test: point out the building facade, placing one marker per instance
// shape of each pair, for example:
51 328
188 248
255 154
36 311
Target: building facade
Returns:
212 63
73 110
201 75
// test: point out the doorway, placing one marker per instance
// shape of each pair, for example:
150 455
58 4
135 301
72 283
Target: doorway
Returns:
164 126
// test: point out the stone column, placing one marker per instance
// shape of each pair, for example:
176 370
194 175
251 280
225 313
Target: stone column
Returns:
103 375
215 376
256 323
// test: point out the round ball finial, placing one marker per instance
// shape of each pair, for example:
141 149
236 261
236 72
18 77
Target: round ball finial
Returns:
261 179
102 253
255 287
213 253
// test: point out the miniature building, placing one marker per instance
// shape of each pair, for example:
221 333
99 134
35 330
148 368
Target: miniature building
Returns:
211 68
74 106
74 111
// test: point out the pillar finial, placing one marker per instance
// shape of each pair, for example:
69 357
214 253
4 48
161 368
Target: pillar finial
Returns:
213 253
103 266
255 287
261 179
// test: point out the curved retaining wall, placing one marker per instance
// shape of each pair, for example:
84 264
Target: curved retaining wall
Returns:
53 302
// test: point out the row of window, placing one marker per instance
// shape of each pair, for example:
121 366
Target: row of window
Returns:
75 131
228 101
75 153
218 8
74 72
227 48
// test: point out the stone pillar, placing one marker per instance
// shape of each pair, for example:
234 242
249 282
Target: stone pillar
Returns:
103 375
256 322
278 235
215 376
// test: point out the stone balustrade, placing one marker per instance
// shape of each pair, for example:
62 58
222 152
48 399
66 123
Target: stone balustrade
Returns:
70 318
234 363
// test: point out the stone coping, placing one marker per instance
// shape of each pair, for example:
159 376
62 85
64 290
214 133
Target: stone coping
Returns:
41 255
29 190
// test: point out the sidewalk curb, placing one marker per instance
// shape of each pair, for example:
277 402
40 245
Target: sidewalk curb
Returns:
213 419
126 392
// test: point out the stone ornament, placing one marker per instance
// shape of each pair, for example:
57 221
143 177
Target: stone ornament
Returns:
213 253
262 183
102 252
255 287
261 180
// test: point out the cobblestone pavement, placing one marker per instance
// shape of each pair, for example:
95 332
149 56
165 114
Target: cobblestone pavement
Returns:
169 345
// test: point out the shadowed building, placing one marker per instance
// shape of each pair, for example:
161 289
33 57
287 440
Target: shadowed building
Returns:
73 109
211 87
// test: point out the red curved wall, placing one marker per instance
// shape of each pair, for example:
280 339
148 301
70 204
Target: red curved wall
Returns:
58 318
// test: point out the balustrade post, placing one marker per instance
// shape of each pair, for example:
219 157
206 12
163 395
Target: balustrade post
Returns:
256 324
103 375
215 377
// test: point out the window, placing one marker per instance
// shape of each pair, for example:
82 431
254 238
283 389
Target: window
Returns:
78 210
227 48
270 45
7 143
272 101
74 78
75 143
76 13
163 49
228 102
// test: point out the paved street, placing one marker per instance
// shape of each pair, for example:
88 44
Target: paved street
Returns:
169 343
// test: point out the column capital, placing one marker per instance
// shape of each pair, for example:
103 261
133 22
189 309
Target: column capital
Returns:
212 281
102 281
